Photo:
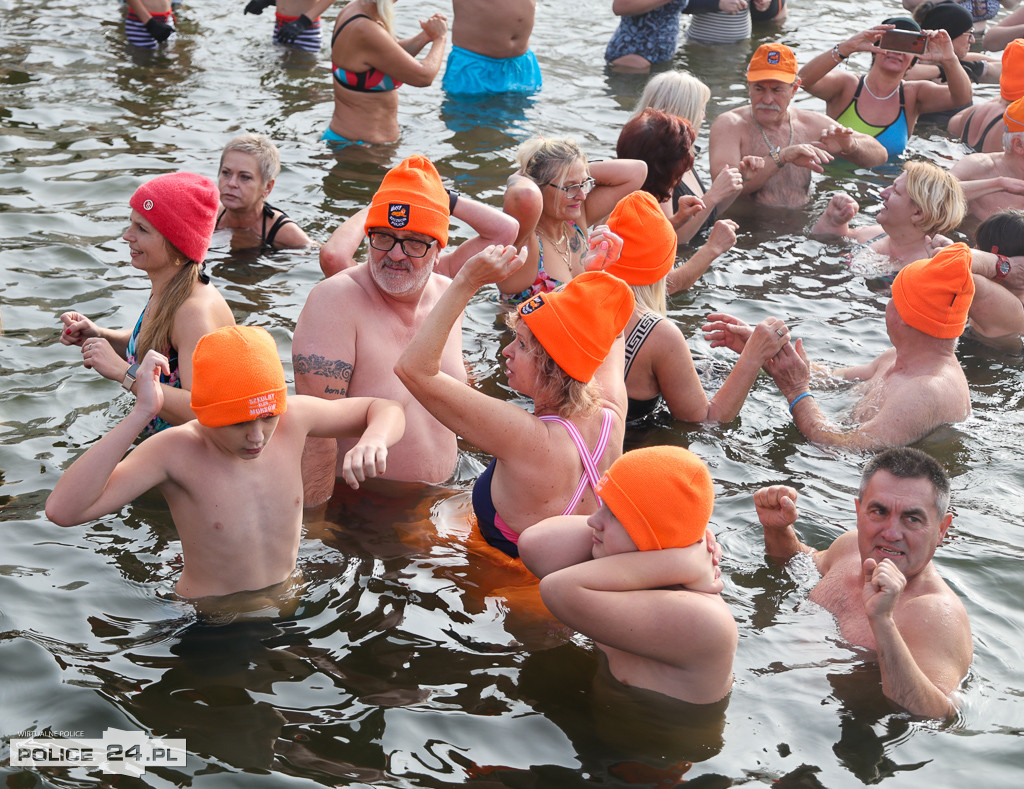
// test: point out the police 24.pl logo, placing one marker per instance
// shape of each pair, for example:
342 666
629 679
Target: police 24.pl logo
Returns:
119 752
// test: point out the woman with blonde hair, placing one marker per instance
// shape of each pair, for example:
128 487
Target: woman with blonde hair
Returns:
369 64
924 202
659 366
249 165
566 354
171 223
557 196
681 94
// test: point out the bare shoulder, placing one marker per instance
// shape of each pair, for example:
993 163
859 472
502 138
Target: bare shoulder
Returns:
974 165
811 120
738 118
842 550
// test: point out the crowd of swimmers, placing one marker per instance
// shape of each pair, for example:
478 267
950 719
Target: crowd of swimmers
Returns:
583 257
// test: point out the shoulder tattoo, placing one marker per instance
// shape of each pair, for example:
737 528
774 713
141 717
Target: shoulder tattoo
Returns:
314 364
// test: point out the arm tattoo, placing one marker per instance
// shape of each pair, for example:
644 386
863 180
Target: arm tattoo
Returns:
314 364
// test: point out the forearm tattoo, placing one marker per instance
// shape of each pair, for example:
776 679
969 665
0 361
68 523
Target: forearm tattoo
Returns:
314 364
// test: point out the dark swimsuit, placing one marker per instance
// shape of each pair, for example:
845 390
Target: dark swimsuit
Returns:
494 529
639 410
369 81
266 236
682 190
984 135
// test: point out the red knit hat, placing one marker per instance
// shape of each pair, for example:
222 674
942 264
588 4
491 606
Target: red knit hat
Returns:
663 496
183 208
933 296
237 377
578 323
411 197
648 240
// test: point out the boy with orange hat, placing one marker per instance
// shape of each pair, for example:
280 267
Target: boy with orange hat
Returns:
235 495
644 559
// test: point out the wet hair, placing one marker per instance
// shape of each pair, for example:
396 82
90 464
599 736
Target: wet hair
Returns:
938 194
910 463
1002 233
546 161
156 328
261 148
677 93
665 143
555 385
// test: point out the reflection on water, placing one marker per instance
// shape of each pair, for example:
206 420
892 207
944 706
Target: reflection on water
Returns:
416 657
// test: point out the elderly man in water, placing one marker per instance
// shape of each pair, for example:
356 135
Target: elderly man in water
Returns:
880 581
777 146
911 388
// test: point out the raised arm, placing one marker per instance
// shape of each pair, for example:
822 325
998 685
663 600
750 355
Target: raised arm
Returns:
496 426
933 96
99 482
339 253
819 77
835 219
492 226
922 660
776 510
383 52
615 179
721 239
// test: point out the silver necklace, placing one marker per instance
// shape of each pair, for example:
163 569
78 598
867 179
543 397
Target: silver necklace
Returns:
881 98
774 149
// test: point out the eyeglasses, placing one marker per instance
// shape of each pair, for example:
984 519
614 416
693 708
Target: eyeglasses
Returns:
575 190
411 247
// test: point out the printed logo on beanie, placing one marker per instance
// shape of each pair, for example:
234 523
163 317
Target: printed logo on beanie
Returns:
148 205
774 57
263 405
398 214
535 303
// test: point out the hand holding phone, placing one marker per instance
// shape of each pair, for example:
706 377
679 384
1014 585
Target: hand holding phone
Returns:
904 41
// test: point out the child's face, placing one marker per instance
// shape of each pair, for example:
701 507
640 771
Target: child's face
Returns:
610 536
245 440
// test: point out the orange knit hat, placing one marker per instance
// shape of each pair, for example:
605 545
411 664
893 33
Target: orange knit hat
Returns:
411 197
237 377
648 240
934 295
1014 116
773 61
578 323
1011 79
662 495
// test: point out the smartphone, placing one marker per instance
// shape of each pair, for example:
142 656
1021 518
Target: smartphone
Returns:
903 41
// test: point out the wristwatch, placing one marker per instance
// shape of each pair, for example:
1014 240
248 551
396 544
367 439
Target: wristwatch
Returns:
1002 266
129 377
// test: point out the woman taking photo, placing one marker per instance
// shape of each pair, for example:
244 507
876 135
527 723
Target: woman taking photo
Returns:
556 196
249 166
171 222
566 354
369 64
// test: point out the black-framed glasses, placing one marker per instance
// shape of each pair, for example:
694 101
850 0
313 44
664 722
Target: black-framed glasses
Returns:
411 247
575 190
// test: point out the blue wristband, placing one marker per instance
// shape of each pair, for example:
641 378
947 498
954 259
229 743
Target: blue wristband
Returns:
797 399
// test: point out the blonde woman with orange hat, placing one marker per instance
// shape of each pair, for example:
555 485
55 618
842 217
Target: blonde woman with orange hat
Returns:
659 367
567 356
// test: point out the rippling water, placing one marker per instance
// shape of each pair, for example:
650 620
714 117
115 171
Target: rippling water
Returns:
403 665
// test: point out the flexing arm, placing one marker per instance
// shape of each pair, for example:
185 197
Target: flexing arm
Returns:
921 663
615 179
339 253
720 240
492 226
99 482
835 219
776 509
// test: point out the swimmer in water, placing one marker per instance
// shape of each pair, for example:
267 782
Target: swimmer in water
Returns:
235 495
643 560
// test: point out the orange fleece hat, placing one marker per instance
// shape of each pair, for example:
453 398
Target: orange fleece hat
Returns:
662 495
183 208
773 61
1014 116
1011 79
411 197
934 295
648 240
578 323
237 377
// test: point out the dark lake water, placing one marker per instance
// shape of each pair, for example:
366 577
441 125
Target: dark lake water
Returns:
406 664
